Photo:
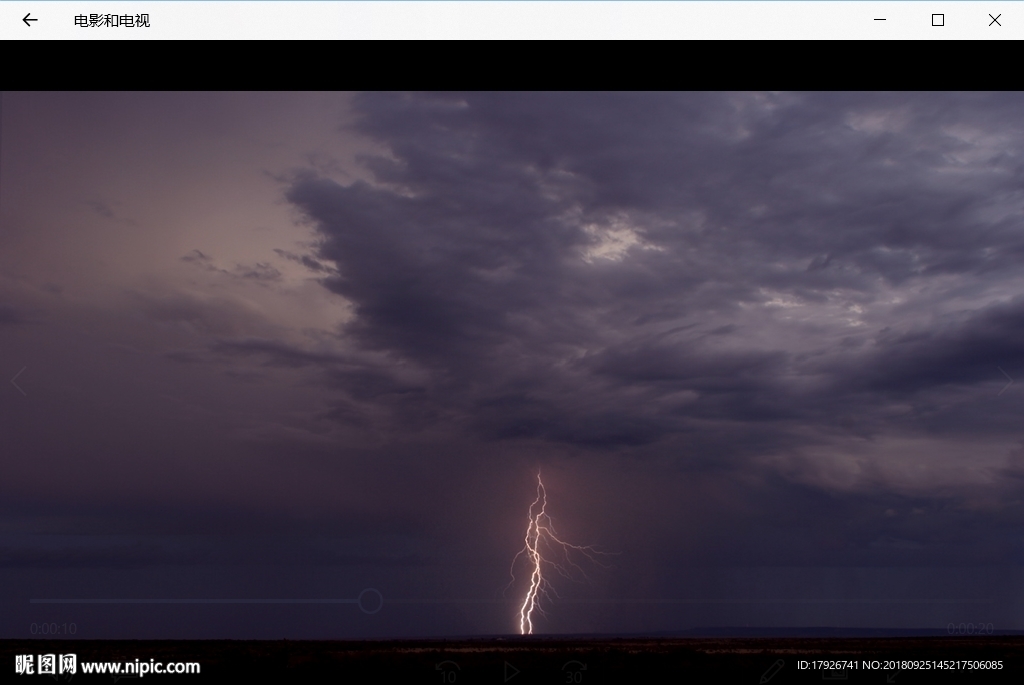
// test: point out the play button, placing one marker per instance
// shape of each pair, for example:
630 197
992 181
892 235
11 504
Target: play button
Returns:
510 671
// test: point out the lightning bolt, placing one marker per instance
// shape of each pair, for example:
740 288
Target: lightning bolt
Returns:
544 548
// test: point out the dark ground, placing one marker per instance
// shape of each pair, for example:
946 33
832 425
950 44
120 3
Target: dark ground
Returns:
550 660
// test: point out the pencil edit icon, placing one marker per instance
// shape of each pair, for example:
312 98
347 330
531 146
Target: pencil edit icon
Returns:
772 670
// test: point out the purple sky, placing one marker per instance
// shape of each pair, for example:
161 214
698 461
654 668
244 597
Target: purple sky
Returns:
298 345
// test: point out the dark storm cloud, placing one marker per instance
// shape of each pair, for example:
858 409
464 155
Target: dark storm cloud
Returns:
960 353
553 261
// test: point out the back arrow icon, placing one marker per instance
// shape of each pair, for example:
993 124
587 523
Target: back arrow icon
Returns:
27 20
